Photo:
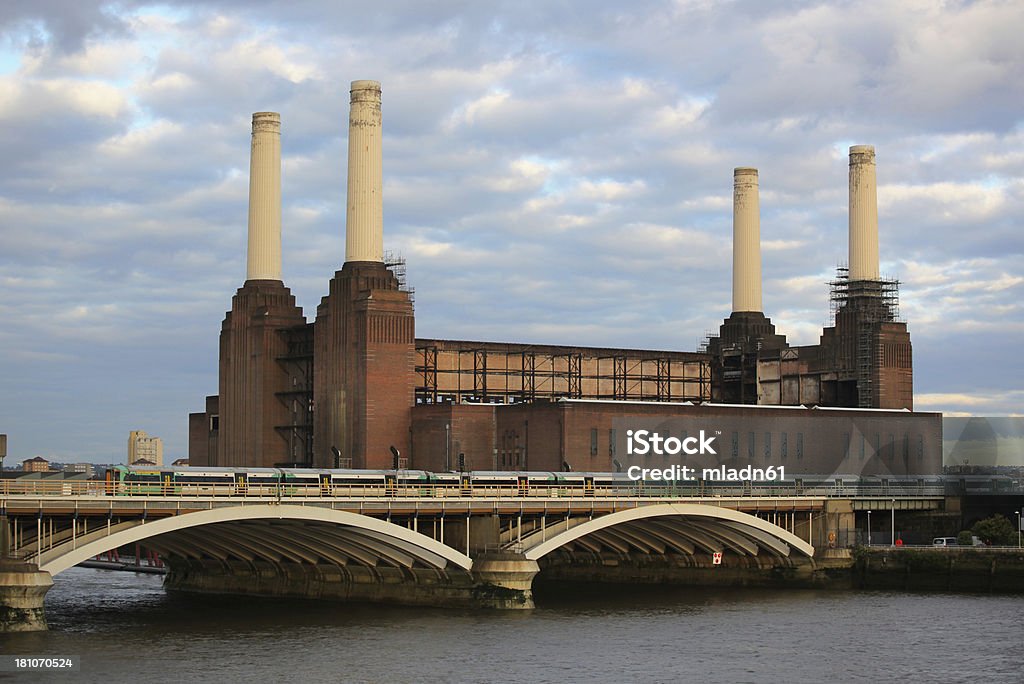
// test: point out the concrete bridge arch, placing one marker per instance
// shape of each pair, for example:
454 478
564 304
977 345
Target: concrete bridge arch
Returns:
678 527
269 533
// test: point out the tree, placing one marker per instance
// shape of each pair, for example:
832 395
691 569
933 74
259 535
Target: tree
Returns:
995 530
965 538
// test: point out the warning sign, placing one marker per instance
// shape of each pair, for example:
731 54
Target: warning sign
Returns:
717 558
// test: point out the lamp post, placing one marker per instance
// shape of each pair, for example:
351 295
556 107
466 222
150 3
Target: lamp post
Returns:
1018 528
892 537
869 527
447 447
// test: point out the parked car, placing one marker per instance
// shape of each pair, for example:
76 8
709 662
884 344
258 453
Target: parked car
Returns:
944 541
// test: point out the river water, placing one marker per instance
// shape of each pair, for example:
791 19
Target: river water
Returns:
126 628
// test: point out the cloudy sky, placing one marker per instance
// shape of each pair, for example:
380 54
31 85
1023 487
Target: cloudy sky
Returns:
554 172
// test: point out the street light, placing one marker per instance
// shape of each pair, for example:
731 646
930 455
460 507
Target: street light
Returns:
892 537
1018 528
447 447
869 528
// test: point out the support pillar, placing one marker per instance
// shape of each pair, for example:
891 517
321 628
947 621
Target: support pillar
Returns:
504 580
22 589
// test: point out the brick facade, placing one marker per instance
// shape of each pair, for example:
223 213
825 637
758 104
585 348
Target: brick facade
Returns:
252 377
363 379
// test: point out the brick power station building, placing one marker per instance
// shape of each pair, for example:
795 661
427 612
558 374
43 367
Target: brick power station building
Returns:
347 388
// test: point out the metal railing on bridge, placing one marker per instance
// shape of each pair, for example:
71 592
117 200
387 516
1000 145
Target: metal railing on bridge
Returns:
399 489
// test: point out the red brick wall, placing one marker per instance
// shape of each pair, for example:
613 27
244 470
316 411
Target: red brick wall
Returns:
198 439
894 376
250 375
471 431
529 437
363 374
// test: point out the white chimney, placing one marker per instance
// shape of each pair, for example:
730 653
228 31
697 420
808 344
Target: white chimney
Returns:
863 214
746 241
264 262
364 221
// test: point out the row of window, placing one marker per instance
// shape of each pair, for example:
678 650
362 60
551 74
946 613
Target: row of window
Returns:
888 449
767 445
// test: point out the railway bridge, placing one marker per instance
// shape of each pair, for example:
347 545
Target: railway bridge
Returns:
437 547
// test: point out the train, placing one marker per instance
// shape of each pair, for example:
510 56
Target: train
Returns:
185 480
293 482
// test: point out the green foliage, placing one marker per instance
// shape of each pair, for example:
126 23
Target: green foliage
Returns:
965 538
996 530
860 555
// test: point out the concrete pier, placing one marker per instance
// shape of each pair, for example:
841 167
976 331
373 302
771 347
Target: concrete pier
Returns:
22 590
503 581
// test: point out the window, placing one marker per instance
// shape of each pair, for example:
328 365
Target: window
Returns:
767 445
846 445
799 446
214 423
735 445
863 446
750 445
611 442
784 445
593 441
920 448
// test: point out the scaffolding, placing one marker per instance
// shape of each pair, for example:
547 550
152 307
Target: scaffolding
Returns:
451 371
878 300
863 305
396 264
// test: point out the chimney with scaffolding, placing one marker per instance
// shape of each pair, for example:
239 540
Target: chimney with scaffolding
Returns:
866 344
864 357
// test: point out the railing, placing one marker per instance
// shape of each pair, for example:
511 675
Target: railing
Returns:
925 547
400 489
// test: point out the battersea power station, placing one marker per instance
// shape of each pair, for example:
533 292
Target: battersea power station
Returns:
355 387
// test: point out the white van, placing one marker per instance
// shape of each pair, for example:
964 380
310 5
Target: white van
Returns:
944 541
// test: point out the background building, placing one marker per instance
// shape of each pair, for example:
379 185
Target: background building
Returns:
35 465
142 447
356 388
85 469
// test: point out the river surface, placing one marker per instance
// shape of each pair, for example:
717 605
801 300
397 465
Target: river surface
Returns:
126 628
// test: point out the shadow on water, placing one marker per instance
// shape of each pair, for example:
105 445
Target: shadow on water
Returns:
614 597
